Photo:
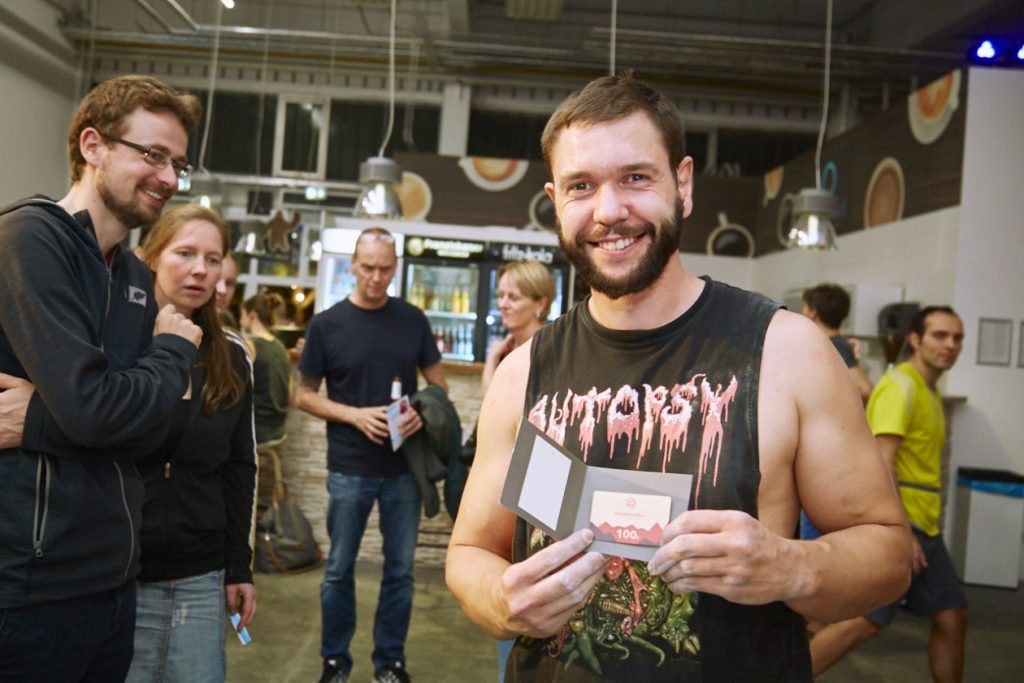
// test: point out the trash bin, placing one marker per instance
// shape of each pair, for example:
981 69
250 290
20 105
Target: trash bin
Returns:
988 526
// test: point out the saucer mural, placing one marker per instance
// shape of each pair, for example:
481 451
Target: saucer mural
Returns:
493 174
772 184
542 213
730 239
930 108
415 196
883 201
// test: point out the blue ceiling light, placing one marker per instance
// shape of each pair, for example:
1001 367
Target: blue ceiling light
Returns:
1000 50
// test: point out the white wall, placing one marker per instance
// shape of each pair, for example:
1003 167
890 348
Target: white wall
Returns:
736 271
917 254
988 431
38 86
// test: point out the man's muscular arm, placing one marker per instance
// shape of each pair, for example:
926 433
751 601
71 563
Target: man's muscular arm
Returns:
888 444
815 450
536 596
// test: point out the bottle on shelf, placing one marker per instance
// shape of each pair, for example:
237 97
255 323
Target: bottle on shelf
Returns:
439 340
460 341
455 301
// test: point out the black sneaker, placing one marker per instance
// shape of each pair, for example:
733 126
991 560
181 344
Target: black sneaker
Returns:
333 673
392 673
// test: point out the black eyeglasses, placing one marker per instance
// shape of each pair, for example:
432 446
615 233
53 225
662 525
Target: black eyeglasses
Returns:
155 157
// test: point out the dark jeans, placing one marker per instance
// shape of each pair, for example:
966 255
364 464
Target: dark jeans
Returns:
351 499
85 639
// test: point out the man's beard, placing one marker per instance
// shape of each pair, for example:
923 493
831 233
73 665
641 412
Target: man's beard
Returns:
664 245
132 213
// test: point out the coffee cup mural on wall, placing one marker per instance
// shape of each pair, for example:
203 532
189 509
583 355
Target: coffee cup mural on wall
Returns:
730 239
929 109
493 174
883 200
415 196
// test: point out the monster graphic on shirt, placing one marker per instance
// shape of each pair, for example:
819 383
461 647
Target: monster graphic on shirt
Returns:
631 610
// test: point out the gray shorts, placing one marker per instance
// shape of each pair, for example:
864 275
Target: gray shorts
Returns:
936 588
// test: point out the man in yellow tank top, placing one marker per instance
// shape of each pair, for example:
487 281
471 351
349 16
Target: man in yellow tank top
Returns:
906 417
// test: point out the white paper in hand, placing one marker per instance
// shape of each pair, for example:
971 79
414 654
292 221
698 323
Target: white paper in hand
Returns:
396 411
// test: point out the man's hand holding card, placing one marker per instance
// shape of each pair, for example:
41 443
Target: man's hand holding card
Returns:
403 421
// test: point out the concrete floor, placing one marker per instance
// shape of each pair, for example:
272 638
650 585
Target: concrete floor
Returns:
443 644
445 647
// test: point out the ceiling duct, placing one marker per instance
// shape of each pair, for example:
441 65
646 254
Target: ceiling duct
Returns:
538 10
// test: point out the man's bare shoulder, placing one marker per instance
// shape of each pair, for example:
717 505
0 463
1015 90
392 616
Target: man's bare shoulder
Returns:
795 347
507 392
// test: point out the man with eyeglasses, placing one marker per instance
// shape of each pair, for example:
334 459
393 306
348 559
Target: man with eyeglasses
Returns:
90 372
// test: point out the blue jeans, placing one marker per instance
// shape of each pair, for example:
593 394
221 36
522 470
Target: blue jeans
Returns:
179 631
350 499
504 650
87 639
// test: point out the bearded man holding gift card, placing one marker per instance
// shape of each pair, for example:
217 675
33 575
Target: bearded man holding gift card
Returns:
663 372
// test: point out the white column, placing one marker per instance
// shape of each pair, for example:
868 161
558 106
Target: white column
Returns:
454 120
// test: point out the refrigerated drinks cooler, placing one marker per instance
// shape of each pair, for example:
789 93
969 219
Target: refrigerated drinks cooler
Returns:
448 271
455 282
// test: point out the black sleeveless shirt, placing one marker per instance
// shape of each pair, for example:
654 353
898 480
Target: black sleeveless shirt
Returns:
680 398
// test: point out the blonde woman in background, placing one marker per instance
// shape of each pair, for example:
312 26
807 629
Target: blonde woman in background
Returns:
525 292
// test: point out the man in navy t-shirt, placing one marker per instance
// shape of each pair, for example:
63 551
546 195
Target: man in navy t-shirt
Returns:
360 345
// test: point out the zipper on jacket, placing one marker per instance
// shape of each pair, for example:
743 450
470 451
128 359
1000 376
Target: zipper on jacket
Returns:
42 509
131 522
106 312
167 470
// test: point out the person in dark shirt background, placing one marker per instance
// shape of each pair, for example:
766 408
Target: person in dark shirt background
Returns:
828 305
362 346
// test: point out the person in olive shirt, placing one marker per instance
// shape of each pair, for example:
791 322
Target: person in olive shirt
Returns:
906 416
271 366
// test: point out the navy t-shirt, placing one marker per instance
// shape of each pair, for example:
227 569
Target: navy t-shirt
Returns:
845 350
359 352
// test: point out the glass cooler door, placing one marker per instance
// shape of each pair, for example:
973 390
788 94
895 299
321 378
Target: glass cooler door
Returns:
447 293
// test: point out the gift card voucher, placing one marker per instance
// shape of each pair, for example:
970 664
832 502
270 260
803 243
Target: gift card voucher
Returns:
555 491
633 518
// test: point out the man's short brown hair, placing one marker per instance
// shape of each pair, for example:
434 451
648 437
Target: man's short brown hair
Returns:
109 103
611 98
830 301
